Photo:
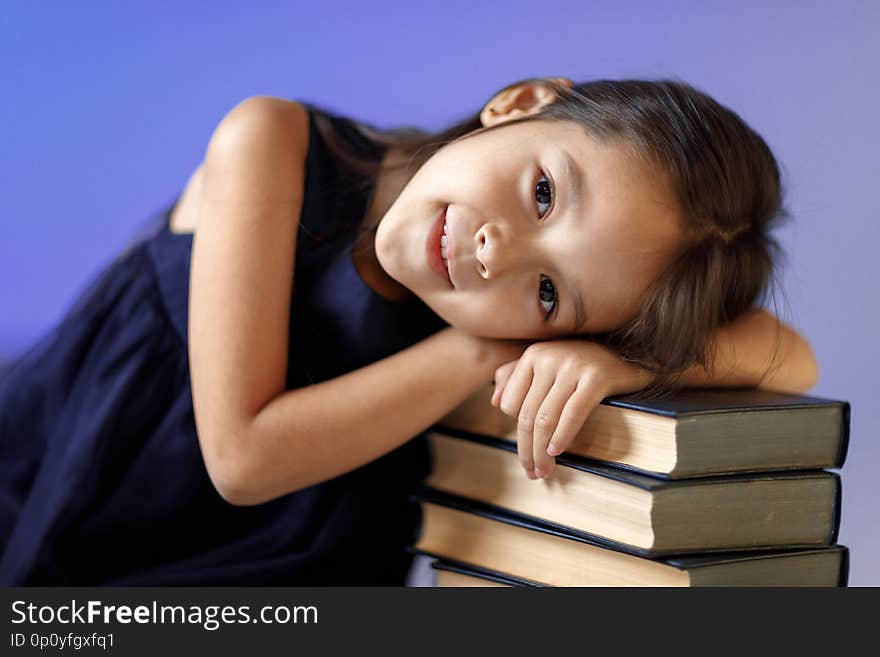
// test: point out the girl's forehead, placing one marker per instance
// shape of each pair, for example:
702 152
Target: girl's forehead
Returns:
611 169
535 132
573 138
613 163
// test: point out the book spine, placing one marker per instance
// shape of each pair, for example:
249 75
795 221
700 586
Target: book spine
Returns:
838 500
844 567
844 434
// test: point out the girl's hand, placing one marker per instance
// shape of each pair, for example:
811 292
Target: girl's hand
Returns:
552 389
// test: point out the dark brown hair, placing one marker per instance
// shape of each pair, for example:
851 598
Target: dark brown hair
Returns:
728 186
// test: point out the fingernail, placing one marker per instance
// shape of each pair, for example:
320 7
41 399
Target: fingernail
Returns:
539 472
553 450
531 474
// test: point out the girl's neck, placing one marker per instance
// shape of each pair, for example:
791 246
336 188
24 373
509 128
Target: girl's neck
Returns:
389 184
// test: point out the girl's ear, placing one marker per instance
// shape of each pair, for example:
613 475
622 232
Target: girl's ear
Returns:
522 99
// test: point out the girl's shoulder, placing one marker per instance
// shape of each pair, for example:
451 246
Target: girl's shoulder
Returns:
280 123
286 125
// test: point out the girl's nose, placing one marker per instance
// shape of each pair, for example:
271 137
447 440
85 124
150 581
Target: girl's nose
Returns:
497 250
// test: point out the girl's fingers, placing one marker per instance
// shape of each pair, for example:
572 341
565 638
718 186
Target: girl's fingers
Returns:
546 421
502 375
516 385
525 424
575 413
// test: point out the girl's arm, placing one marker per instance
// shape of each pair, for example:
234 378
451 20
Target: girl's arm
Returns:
259 441
311 434
745 349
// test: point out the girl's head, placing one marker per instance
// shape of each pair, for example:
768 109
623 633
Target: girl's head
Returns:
633 213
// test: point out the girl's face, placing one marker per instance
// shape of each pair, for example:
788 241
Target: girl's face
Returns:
550 232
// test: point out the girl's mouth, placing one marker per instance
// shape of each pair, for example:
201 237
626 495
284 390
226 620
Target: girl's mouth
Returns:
434 248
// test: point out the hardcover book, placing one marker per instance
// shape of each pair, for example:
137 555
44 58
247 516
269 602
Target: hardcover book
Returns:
521 551
696 432
642 514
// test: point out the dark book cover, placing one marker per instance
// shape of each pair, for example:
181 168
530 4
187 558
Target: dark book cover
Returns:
483 573
691 402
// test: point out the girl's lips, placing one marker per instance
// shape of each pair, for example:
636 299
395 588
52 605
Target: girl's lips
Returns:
432 248
450 249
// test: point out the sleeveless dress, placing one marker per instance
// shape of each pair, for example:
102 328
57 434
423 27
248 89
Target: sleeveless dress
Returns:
102 481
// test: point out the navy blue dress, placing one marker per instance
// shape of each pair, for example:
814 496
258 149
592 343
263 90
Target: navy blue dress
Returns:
101 478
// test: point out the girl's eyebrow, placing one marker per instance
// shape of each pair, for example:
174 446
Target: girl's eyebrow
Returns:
576 182
574 190
578 306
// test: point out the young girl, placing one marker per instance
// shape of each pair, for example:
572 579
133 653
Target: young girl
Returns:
240 397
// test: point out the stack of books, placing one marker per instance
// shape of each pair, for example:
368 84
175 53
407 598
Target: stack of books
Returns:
708 487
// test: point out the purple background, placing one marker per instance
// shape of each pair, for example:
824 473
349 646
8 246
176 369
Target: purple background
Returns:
106 111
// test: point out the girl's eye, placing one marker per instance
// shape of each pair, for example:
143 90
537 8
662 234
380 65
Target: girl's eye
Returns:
547 294
544 194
